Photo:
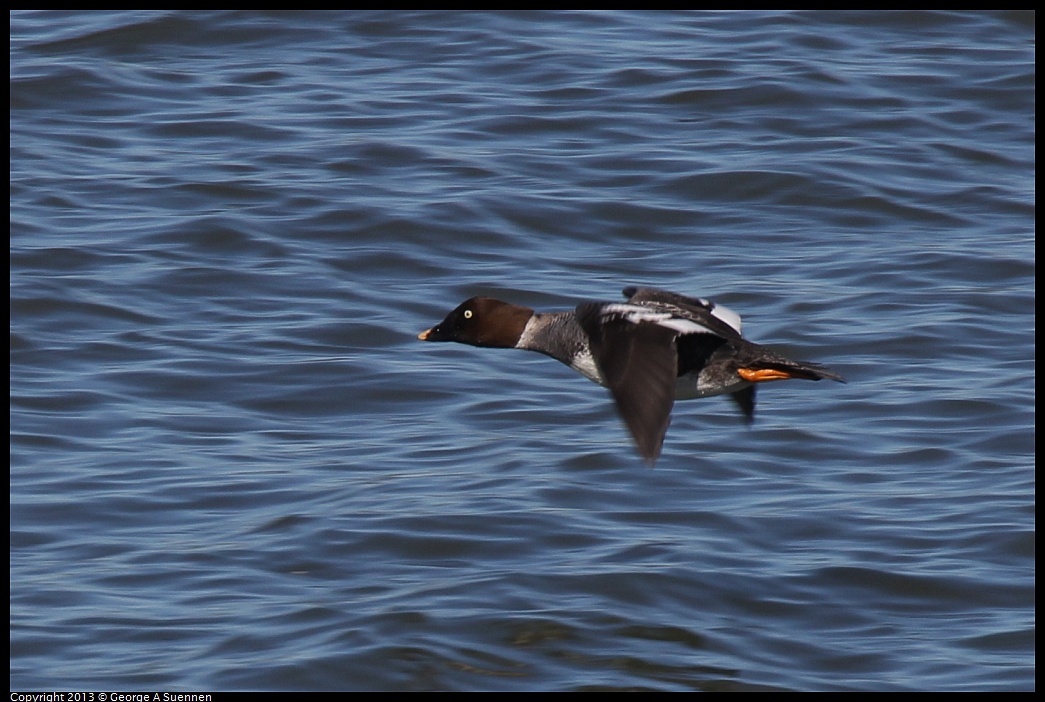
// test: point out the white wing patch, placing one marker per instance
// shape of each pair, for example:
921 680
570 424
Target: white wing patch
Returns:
637 314
725 314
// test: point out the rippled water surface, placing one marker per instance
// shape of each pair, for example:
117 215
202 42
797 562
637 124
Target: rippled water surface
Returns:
234 466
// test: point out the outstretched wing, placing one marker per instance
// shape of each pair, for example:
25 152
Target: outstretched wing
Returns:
638 361
716 318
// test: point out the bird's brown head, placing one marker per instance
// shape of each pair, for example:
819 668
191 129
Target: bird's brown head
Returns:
481 321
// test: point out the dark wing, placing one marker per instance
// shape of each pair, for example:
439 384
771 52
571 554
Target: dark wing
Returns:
724 322
639 364
716 318
745 400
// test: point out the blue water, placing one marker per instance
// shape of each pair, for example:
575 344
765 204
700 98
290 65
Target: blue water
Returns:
234 466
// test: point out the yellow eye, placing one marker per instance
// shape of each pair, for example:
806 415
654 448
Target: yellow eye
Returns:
467 314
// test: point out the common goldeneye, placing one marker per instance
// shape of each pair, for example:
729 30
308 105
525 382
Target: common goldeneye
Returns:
655 348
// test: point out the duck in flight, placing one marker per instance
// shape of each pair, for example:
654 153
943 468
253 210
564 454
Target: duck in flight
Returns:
653 349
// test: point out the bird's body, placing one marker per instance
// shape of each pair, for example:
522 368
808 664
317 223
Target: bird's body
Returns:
653 349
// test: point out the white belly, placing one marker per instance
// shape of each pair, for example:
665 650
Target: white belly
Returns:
688 387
